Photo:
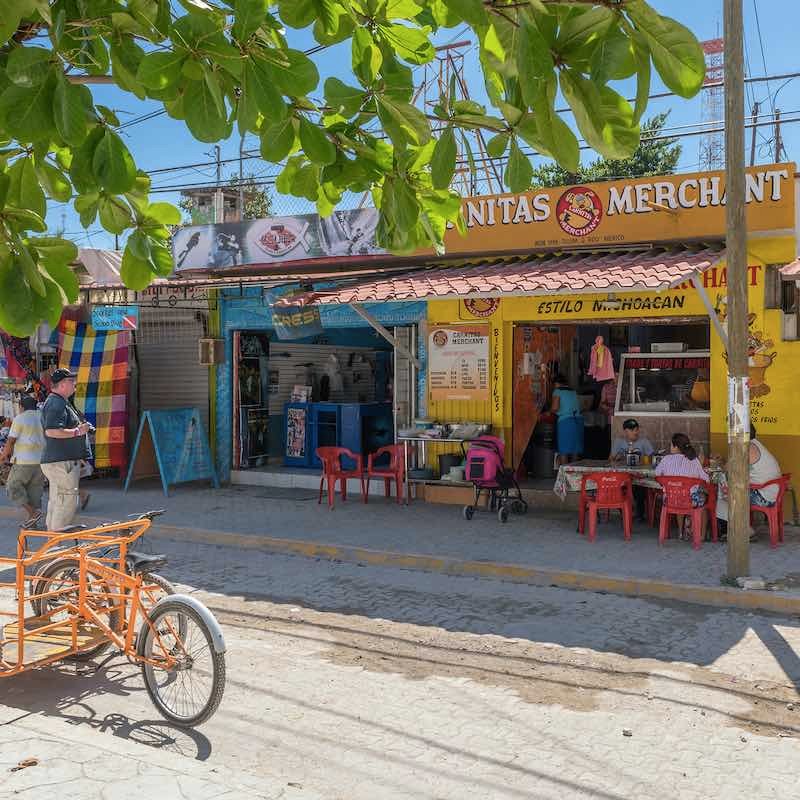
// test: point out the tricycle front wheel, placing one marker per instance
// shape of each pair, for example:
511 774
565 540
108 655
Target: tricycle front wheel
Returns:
187 691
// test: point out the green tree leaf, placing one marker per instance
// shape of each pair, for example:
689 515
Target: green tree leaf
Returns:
294 73
25 262
443 162
581 31
115 215
411 44
24 190
316 144
28 66
519 171
604 117
249 16
27 114
70 111
160 70
86 206
535 63
16 307
343 99
113 165
677 55
497 145
367 57
278 140
643 74
55 182
163 213
613 58
202 113
135 273
139 245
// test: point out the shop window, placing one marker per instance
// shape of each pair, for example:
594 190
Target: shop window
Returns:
790 305
772 287
662 384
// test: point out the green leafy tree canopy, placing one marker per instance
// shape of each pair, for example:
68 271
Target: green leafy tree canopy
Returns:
656 155
220 64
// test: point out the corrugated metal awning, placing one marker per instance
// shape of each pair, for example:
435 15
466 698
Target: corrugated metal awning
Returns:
572 273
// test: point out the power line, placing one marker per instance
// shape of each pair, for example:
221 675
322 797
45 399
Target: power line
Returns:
763 56
162 170
271 181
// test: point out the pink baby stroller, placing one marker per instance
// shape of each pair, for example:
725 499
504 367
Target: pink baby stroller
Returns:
489 476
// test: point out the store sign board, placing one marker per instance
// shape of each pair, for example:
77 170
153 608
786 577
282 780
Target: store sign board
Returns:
669 208
115 318
276 240
458 366
653 209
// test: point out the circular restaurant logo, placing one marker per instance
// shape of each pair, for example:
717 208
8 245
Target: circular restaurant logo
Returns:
579 211
482 306
440 338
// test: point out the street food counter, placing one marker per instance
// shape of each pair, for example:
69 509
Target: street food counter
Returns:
666 393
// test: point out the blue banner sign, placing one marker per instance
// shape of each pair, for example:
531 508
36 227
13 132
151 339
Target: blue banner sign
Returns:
115 318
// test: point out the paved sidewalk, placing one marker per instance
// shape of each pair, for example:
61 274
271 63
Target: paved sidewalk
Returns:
38 754
545 539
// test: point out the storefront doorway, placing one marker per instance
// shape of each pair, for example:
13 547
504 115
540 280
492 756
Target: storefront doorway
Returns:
345 387
668 389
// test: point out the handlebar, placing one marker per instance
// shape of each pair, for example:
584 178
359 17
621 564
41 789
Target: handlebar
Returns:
148 514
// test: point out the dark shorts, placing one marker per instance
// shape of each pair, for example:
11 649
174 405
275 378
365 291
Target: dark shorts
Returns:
758 499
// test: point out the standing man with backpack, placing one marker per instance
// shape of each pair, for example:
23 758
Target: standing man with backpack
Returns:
65 449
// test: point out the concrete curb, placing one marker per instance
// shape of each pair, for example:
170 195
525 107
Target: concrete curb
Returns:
718 596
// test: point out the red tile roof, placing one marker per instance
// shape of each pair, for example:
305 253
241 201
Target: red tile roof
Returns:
628 271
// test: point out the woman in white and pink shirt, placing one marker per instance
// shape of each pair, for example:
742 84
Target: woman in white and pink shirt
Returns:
682 462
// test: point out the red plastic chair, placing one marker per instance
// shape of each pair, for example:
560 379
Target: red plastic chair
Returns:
395 470
614 492
677 501
332 471
774 514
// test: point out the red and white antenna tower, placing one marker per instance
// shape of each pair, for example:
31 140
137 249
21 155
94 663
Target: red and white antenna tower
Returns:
712 143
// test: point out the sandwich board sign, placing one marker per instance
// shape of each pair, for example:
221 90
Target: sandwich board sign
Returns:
171 445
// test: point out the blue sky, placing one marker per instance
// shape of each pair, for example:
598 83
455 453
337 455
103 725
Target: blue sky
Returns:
163 142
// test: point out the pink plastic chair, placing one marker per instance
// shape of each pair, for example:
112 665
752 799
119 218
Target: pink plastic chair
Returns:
395 470
677 501
614 492
332 471
774 514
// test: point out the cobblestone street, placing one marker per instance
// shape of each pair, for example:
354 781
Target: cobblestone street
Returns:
364 682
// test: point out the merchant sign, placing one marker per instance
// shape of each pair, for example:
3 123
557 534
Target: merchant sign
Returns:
657 209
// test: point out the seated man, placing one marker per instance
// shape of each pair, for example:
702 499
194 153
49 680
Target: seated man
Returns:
631 440
764 467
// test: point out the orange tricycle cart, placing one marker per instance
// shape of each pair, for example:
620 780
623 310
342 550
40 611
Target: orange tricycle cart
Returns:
93 601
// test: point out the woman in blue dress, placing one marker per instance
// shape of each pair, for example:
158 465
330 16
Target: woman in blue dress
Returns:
569 430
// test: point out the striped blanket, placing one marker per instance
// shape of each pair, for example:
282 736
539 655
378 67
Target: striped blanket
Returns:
100 359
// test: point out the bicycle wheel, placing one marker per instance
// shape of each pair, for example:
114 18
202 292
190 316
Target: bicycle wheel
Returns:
62 574
150 598
189 692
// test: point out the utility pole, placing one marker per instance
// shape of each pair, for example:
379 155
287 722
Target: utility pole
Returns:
219 203
778 140
736 246
756 108
241 179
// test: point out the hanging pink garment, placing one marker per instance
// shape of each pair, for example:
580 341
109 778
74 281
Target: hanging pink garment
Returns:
601 363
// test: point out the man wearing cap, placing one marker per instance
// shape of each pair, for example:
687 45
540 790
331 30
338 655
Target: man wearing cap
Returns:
633 442
24 448
65 448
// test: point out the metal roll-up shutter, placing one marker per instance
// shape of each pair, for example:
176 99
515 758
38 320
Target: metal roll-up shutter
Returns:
169 372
